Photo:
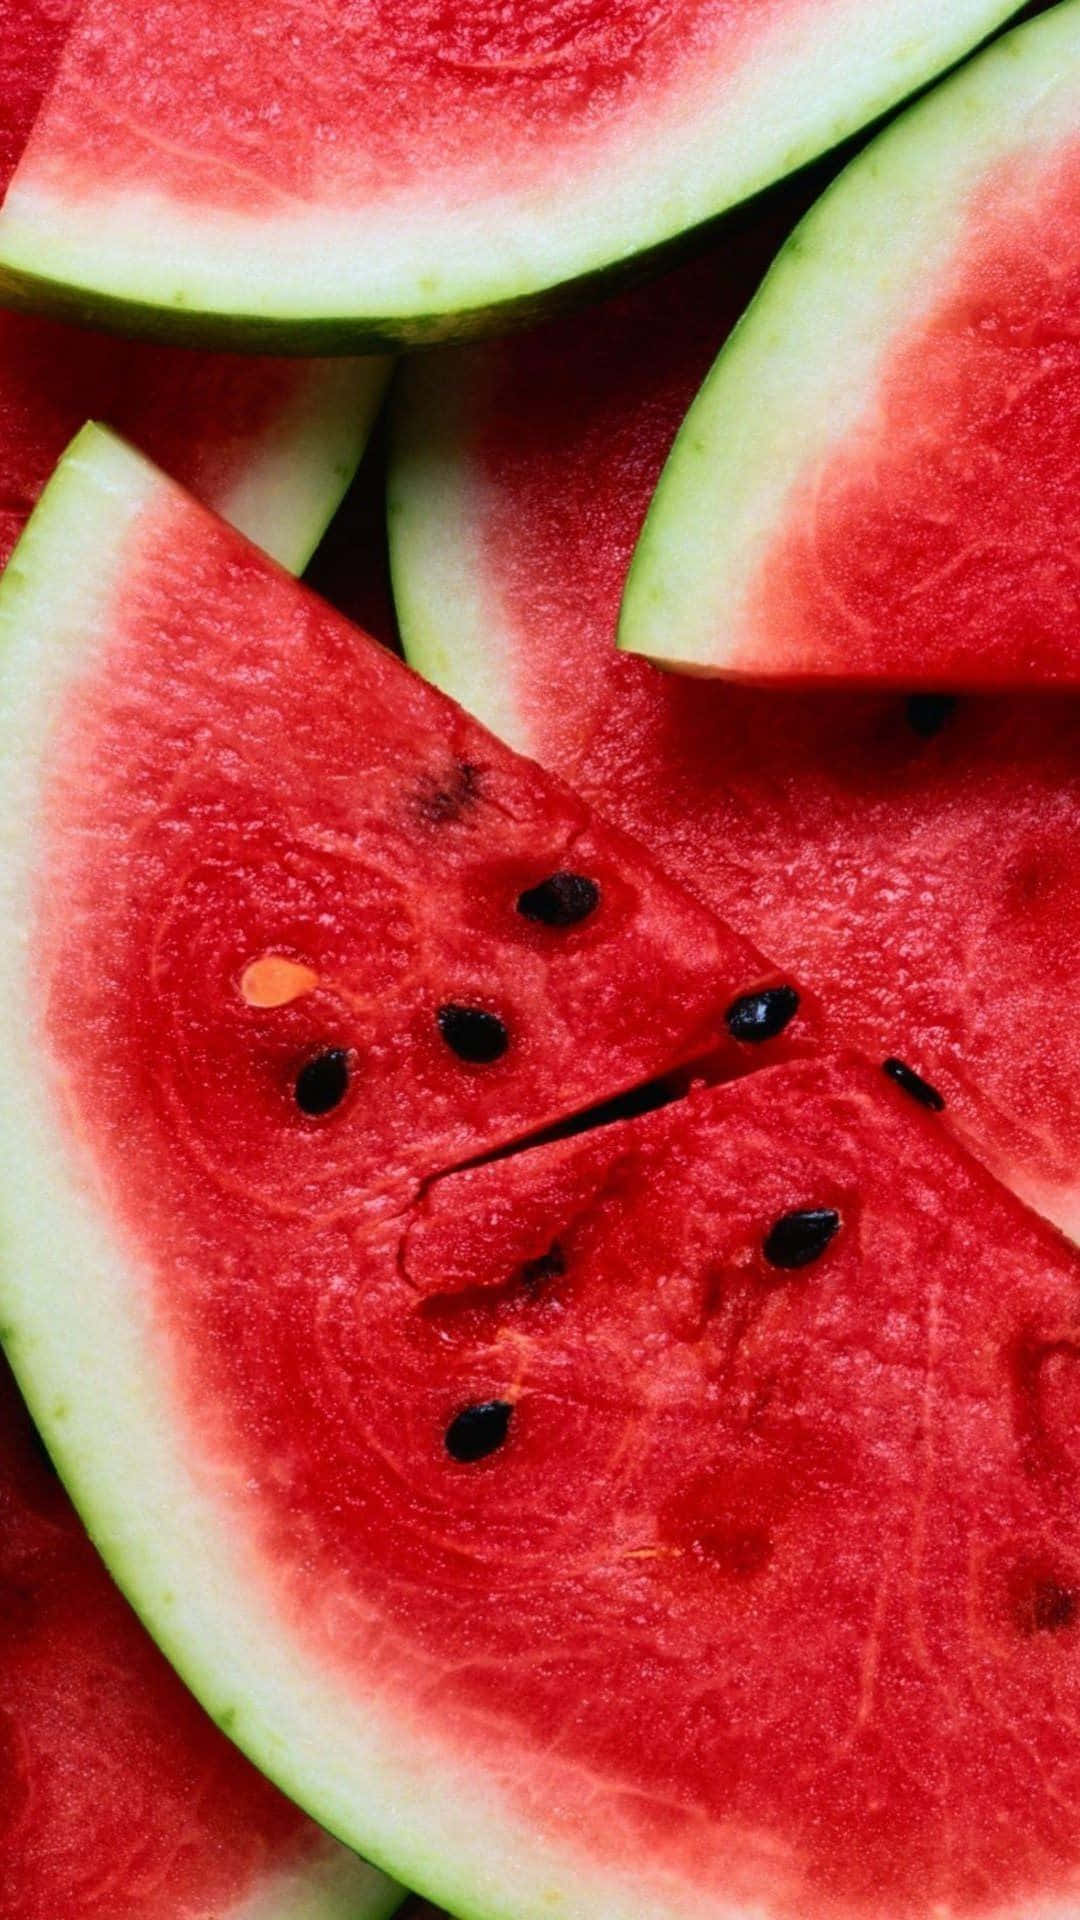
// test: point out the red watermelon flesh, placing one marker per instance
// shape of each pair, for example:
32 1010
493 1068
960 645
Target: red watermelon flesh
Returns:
418 76
33 34
334 869
878 481
409 168
940 541
769 1594
204 417
914 857
119 1799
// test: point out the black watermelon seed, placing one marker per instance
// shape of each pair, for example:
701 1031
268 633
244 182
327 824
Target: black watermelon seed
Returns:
914 1084
561 900
796 1239
927 713
321 1085
761 1016
473 1033
478 1430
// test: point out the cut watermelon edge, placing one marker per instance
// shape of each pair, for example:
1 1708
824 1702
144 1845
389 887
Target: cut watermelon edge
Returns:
335 1885
796 371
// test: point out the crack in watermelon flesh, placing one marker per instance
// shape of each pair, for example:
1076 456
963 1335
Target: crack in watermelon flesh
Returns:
119 1799
924 882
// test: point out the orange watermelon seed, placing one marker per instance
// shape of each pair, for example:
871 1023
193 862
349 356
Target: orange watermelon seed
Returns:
274 981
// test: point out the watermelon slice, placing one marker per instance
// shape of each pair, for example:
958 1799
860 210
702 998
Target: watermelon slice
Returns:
406 171
676 1517
119 1800
879 480
285 935
915 855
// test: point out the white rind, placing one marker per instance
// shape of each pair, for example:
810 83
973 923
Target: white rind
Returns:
75 1319
452 627
295 477
416 263
799 372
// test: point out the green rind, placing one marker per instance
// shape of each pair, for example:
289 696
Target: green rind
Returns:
502 270
287 492
75 1320
798 369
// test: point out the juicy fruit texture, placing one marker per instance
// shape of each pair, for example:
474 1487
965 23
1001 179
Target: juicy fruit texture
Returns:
336 906
917 523
280 894
119 1800
402 170
873 1441
916 855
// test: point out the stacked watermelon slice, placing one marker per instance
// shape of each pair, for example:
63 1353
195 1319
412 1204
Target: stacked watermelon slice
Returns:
539 1210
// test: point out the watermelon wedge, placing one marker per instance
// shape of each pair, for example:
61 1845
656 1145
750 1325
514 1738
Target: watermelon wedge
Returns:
879 480
119 1800
915 855
311 177
286 934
